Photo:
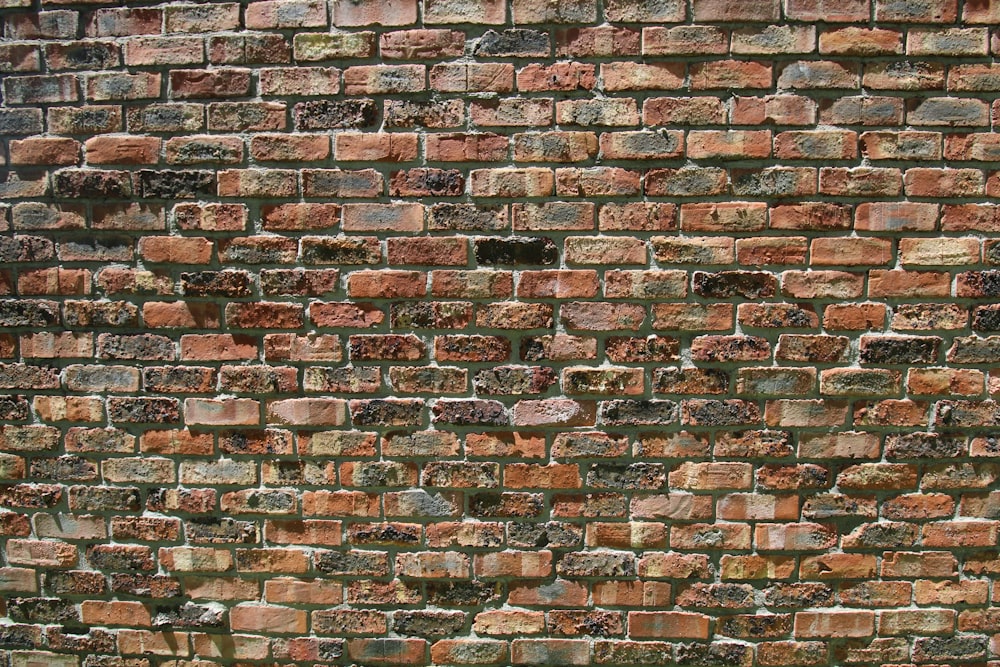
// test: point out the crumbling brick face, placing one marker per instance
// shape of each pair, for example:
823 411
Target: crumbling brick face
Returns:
499 332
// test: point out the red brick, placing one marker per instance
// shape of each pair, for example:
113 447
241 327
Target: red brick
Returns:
267 618
776 109
730 74
271 14
668 625
164 249
44 151
830 624
597 41
383 217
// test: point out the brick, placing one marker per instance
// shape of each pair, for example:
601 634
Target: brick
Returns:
559 76
271 14
563 11
257 618
419 44
730 74
489 77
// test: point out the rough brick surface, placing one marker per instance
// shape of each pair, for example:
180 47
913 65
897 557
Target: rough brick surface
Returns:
499 332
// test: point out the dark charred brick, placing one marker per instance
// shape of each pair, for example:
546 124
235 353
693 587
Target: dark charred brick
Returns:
505 505
728 284
75 582
379 474
978 284
723 349
426 182
147 347
626 349
633 653
178 378
392 347
430 315
899 349
424 113
103 249
25 249
468 412
755 626
552 534
716 653
386 412
31 495
258 379
514 380
428 623
462 593
165 118
24 313
986 318
596 564
156 586
461 474
514 43
798 596
516 251
754 444
92 183
964 648
467 217
637 412
471 348
144 410
719 413
104 498
14 408
882 535
42 610
64 468
168 184
20 121
88 55
923 446
690 381
837 505
213 530
331 115
354 380
778 316
353 563
70 638
216 283
635 476
299 282
120 557
100 314
342 250
384 534
974 350
188 615
596 623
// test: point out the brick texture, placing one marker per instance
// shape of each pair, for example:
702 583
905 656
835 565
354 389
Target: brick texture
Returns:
499 332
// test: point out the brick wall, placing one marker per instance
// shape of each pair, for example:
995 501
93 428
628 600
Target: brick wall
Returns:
475 332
